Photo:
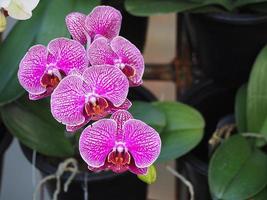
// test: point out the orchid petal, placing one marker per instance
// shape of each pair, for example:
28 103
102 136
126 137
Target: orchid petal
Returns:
137 170
20 9
142 141
68 54
38 96
121 116
67 101
105 21
100 52
76 128
31 69
125 106
108 82
97 141
75 23
131 56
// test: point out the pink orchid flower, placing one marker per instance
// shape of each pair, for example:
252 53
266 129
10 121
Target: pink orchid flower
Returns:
42 68
99 91
122 54
120 144
102 21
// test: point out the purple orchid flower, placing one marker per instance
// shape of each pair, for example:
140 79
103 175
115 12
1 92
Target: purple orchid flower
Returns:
102 21
99 91
42 68
122 54
120 144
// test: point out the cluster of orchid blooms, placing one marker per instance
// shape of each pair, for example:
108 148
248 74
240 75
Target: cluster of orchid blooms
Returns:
88 78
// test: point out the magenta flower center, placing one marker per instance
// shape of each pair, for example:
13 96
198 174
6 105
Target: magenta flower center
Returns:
119 157
95 105
126 69
51 78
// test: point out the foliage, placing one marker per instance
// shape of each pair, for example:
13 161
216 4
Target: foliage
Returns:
152 7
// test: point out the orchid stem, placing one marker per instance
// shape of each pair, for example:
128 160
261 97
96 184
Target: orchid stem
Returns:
184 180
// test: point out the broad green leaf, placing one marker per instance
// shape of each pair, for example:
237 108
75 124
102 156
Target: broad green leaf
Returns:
237 171
150 177
32 123
85 6
53 25
263 131
241 109
153 7
262 195
257 93
13 49
183 131
149 114
240 3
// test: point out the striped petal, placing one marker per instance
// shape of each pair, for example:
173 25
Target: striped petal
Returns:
105 21
76 25
100 52
68 100
67 55
142 141
31 69
130 56
108 82
97 141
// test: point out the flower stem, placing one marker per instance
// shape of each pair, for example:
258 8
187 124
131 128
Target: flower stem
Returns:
184 180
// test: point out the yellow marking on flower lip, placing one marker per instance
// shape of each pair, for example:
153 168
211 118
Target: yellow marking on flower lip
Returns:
119 158
49 81
96 107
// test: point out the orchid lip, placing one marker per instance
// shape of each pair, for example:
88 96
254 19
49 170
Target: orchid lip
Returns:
119 156
126 69
95 105
51 78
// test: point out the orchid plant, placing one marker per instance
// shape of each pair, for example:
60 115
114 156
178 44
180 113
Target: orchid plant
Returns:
86 81
80 93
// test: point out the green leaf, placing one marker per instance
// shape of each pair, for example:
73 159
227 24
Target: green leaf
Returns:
149 114
85 6
262 195
32 123
153 7
241 109
53 25
150 177
237 171
13 49
263 131
248 3
257 93
183 131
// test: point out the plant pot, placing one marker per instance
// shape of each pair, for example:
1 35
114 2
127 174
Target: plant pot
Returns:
101 186
133 28
5 140
226 45
213 102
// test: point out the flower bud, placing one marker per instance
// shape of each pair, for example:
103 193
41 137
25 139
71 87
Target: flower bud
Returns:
2 21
